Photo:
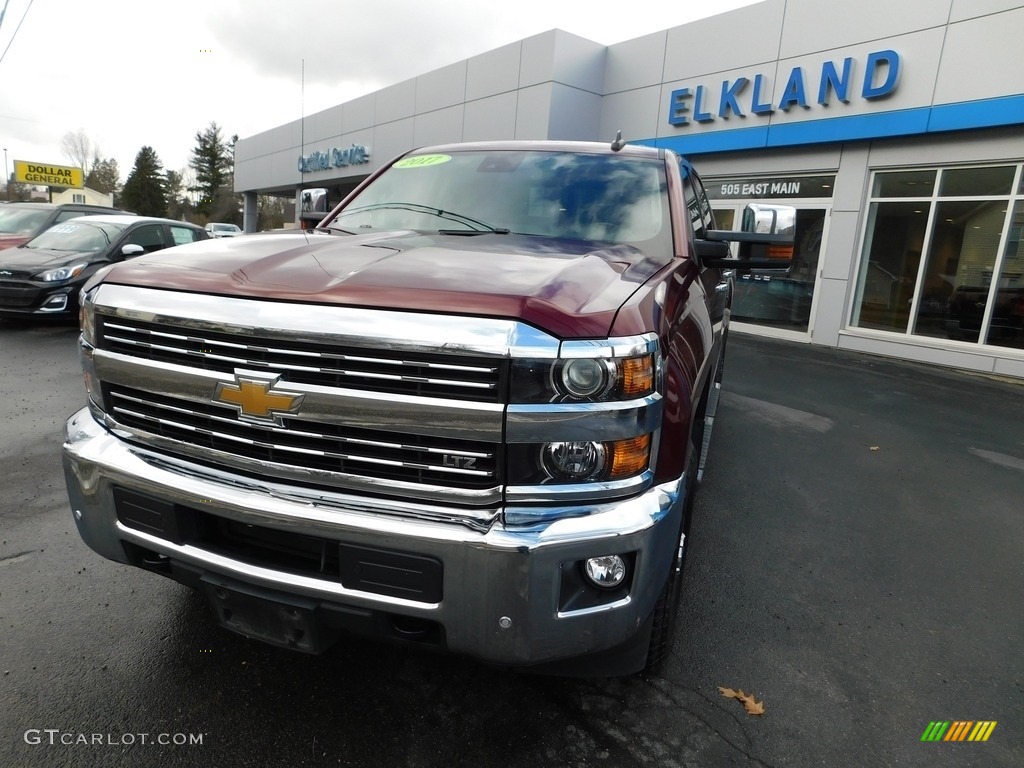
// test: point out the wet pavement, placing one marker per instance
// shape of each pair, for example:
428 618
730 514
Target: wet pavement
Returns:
856 562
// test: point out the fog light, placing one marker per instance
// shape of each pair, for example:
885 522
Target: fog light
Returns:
607 572
56 303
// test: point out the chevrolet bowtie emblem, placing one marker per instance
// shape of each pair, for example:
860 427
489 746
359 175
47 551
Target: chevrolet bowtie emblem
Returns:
252 395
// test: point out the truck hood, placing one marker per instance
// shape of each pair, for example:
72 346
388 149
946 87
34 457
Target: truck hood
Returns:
12 241
569 288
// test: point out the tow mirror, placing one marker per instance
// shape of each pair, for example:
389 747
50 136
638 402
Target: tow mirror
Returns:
765 242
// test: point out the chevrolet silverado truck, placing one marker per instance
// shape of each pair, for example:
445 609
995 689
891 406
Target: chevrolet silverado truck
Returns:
466 413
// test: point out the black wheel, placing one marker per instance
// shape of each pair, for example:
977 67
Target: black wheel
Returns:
721 358
663 619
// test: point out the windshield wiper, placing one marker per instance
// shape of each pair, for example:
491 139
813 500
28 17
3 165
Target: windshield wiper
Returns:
471 232
439 212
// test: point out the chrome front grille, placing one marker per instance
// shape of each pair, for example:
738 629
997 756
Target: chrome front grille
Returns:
382 405
337 449
457 377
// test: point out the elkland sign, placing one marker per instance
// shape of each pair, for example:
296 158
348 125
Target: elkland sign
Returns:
48 175
744 95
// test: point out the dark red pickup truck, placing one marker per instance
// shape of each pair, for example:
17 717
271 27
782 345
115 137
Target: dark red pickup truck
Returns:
466 413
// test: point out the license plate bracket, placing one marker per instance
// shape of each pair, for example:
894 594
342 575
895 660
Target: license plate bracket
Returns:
286 621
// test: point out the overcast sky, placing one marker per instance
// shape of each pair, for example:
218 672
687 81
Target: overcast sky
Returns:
143 72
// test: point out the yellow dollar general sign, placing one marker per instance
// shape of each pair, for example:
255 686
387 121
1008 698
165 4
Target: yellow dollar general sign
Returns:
958 730
48 175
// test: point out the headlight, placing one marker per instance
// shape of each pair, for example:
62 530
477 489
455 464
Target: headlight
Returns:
578 461
586 417
61 273
574 461
604 376
586 378
87 316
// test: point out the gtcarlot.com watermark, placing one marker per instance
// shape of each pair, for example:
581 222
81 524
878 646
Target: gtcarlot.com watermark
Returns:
55 736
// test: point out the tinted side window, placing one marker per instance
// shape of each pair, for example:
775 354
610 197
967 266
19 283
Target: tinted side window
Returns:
150 237
707 216
694 205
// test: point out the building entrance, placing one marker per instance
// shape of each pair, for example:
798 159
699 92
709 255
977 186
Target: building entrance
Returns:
773 299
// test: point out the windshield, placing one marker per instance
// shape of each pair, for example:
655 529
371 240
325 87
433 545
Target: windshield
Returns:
552 194
223 228
21 221
77 235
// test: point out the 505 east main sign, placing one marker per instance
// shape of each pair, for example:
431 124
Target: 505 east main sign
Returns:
881 73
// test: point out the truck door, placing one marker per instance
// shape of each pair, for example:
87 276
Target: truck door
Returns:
717 284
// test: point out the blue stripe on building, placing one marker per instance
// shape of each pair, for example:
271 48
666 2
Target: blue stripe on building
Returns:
984 113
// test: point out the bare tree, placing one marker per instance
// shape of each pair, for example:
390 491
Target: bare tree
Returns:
188 181
77 147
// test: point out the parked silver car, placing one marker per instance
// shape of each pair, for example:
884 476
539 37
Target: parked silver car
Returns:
222 229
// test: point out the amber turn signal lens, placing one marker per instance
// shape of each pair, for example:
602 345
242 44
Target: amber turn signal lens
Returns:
630 457
637 376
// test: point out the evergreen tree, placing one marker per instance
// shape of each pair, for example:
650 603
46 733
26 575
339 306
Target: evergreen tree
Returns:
179 206
17 191
212 163
144 191
269 212
104 177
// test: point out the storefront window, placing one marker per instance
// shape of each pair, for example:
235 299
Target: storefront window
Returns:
964 182
895 239
958 272
1006 328
904 184
943 261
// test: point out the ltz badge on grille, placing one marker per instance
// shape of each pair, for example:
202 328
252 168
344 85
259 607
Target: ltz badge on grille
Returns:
254 397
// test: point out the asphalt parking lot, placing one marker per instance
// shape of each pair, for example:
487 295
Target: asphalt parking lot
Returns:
857 563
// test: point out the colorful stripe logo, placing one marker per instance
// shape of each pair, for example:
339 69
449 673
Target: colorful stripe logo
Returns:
958 730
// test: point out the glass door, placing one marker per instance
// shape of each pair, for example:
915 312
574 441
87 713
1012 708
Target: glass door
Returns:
780 301
784 300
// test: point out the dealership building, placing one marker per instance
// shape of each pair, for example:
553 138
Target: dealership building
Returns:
895 127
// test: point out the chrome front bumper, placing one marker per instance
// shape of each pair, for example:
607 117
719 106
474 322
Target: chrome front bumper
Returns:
501 585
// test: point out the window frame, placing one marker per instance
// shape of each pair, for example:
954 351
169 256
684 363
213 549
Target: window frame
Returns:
1013 196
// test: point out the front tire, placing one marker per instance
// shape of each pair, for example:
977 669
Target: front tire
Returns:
666 609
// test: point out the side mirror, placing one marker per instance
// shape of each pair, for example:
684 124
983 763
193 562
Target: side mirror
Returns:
765 243
769 219
131 249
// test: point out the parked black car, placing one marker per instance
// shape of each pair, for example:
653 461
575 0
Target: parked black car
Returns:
966 310
43 276
20 221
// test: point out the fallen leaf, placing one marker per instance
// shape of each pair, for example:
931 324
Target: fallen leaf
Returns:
750 704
